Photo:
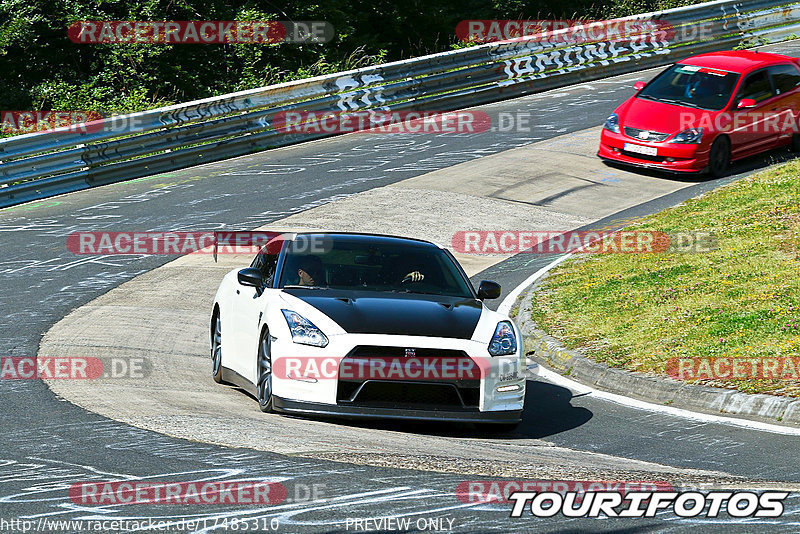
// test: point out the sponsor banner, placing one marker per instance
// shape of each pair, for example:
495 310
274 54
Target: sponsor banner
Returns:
500 491
199 32
157 492
73 368
766 368
738 504
180 243
381 121
19 122
563 31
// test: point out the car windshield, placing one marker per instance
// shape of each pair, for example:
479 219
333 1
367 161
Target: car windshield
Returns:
692 86
364 264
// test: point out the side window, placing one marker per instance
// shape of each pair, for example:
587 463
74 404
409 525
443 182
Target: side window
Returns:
756 86
786 77
266 263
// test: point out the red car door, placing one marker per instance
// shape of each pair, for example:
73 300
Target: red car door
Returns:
786 81
748 130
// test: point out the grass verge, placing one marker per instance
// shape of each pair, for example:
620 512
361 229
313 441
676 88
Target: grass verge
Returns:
740 300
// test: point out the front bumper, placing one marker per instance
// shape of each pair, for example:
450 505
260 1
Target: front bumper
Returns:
500 388
671 157
287 406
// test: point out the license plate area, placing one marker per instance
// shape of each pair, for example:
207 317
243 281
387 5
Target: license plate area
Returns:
641 149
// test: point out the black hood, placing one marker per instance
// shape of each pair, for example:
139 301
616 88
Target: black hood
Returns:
407 314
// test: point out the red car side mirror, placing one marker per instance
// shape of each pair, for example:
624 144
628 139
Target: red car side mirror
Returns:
639 86
746 103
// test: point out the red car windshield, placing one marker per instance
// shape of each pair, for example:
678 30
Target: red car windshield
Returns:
692 86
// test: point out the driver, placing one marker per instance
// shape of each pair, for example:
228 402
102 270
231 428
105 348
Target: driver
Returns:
410 266
413 276
309 271
700 87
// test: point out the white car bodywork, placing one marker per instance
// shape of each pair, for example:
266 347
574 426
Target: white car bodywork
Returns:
245 311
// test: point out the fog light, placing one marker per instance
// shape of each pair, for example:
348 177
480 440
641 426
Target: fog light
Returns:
504 389
670 160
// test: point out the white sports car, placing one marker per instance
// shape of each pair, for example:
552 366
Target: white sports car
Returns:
359 325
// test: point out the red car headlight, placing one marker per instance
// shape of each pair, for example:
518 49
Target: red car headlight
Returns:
612 123
692 136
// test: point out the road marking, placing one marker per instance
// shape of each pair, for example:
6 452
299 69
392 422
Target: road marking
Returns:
630 402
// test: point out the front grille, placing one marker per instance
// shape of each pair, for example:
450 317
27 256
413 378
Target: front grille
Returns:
377 351
643 157
636 133
423 393
411 395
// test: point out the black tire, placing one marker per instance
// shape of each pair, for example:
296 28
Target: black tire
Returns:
719 157
264 385
216 349
795 143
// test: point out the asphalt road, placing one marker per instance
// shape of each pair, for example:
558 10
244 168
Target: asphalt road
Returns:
48 444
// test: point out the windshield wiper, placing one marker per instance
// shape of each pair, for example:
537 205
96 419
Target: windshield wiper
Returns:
421 292
295 286
681 103
671 101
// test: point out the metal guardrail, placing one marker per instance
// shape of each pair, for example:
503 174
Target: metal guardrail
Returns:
43 164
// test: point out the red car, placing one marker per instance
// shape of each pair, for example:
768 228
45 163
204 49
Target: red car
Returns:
706 111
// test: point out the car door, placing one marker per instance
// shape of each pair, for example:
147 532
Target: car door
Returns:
749 132
786 81
249 304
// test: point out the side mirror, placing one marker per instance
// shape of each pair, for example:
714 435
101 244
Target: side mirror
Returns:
746 103
250 277
639 86
488 290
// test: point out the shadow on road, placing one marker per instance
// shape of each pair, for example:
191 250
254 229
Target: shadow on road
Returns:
746 165
548 411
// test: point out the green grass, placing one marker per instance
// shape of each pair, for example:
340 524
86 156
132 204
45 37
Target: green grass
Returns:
742 299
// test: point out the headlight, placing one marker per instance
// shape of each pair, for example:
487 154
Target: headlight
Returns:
504 341
612 123
691 136
303 330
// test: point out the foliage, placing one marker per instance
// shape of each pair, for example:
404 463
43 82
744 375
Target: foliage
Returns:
42 69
